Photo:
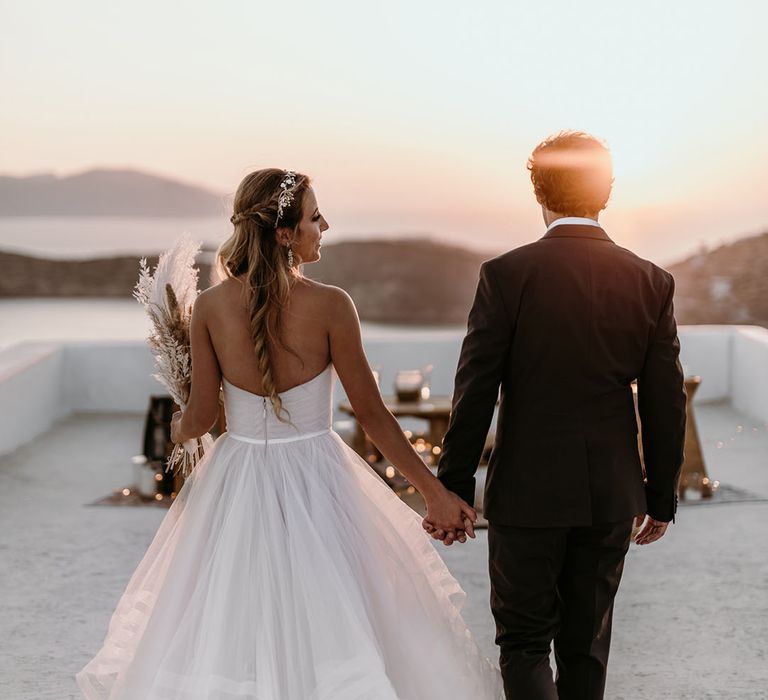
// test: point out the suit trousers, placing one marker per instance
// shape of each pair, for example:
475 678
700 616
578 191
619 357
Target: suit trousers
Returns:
555 584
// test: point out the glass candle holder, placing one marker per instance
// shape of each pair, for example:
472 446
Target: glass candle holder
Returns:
408 385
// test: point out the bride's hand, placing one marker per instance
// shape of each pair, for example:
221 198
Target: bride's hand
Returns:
175 423
449 517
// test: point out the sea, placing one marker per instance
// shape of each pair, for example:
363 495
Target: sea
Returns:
46 318
68 238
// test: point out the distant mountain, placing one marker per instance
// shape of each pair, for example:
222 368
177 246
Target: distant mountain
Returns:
394 281
420 282
26 276
404 281
105 193
726 285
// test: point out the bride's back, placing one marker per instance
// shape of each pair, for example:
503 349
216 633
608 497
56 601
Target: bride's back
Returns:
305 330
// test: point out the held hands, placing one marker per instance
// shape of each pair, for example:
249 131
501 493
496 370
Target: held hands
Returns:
650 530
449 518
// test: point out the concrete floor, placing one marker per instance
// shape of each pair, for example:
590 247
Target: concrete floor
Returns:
691 619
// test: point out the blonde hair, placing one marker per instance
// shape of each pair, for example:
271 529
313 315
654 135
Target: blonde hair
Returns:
253 250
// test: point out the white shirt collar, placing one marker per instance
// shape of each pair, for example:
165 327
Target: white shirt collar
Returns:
582 220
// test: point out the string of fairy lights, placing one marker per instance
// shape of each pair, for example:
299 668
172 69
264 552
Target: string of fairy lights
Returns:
430 454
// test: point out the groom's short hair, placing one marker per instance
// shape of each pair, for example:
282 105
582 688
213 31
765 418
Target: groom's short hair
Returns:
572 173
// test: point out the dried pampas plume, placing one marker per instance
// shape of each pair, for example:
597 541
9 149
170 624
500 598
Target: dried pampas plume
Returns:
167 296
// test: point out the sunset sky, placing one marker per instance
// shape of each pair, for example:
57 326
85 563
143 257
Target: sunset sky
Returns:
410 116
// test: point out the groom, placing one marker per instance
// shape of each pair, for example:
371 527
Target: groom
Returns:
564 325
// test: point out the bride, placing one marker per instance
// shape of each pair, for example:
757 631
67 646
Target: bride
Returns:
286 569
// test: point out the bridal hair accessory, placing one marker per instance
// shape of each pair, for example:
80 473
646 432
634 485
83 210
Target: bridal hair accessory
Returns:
285 199
167 296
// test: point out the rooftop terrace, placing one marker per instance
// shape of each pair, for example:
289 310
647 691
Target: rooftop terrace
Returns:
690 614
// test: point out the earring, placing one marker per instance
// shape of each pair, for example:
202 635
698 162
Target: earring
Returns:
290 257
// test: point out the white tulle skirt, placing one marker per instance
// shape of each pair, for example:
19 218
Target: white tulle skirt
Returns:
289 573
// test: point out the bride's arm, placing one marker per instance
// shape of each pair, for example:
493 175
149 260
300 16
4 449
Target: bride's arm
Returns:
203 405
445 509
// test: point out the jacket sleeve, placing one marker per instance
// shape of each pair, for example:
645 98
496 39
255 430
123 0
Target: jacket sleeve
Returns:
481 364
661 403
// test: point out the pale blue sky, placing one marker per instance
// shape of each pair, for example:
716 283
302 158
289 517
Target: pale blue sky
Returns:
411 116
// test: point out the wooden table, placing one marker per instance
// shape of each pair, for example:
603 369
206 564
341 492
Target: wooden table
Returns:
436 410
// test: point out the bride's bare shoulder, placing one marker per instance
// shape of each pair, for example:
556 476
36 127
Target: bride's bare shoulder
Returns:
322 301
329 302
219 297
334 298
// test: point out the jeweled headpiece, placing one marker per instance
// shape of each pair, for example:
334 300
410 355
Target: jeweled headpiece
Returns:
285 199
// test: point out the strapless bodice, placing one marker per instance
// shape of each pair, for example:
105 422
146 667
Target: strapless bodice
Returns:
289 571
309 405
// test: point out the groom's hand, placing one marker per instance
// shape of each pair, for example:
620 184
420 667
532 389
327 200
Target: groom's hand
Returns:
447 537
650 530
450 536
450 515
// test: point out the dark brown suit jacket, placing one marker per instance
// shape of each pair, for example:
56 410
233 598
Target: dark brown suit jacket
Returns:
563 326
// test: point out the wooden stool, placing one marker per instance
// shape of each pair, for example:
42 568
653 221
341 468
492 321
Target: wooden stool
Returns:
694 472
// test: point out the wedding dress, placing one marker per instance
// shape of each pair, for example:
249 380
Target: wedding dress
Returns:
286 569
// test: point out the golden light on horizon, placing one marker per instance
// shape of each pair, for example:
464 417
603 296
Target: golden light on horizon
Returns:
431 136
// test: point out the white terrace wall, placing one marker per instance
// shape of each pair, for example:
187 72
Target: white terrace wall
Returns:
41 382
749 371
108 376
30 401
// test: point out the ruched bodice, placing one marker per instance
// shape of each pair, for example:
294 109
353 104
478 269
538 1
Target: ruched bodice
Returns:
309 406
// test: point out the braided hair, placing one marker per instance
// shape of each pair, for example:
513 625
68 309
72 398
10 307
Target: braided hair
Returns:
254 251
